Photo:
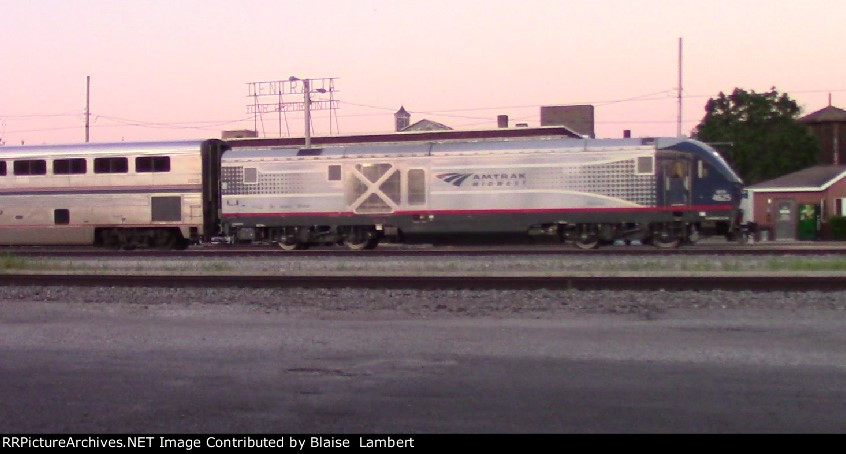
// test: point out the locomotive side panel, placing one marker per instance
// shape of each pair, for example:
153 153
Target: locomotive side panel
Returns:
454 184
280 189
513 192
439 192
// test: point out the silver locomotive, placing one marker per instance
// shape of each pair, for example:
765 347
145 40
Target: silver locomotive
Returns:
588 191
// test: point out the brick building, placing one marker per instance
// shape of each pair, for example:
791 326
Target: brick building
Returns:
829 126
775 205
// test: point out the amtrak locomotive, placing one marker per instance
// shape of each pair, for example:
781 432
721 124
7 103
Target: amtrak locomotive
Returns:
664 191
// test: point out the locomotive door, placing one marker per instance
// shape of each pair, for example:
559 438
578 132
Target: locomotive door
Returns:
373 188
416 188
676 184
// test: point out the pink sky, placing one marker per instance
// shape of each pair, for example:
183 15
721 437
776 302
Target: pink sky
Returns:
178 69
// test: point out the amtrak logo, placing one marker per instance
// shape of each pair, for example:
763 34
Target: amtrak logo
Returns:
484 179
721 195
455 178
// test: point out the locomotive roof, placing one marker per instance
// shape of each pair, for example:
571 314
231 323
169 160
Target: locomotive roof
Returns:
439 147
703 151
85 149
406 136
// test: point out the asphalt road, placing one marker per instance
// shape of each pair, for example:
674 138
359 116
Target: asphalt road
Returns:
192 368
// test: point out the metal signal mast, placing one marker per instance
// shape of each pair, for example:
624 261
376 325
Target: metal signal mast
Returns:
294 86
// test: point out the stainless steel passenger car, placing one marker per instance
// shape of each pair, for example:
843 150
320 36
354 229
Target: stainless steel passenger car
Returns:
665 191
161 194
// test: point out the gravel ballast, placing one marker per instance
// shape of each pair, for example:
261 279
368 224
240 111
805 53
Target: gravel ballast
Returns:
533 304
537 303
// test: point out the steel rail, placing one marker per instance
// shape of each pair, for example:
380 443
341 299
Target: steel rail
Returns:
272 252
617 283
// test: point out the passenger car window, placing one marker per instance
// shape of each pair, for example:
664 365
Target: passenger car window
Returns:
31 167
69 166
61 216
152 164
111 165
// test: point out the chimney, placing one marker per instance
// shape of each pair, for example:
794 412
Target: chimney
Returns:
502 121
627 133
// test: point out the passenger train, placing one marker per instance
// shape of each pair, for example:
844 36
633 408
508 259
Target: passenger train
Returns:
167 195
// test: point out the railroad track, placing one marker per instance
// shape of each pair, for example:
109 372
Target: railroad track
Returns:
221 251
667 283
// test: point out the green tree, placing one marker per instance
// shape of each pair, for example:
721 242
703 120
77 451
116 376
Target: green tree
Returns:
758 133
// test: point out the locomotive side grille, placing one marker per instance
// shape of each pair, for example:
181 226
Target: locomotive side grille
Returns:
618 179
268 183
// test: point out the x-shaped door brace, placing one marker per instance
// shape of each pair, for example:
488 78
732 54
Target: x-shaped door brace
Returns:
374 188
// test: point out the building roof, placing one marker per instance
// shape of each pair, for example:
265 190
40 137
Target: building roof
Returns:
816 178
402 112
427 125
828 114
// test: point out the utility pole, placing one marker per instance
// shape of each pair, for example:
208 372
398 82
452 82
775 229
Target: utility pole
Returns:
679 128
307 109
87 106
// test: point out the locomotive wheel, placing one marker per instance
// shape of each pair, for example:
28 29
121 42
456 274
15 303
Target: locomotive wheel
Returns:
587 243
292 245
360 245
666 242
290 239
668 235
360 239
587 237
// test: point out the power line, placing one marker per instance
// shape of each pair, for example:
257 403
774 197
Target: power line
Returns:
211 125
173 125
17 131
527 106
644 97
122 122
40 116
665 95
